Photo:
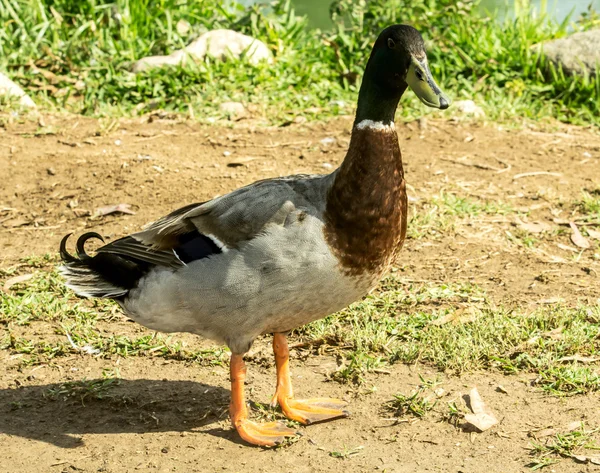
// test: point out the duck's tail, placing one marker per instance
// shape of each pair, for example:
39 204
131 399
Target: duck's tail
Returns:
104 275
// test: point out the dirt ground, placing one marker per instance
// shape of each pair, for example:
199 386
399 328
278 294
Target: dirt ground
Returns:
170 416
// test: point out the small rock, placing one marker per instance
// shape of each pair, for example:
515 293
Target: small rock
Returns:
468 107
327 141
299 120
233 110
576 54
327 165
226 153
51 171
9 88
165 449
182 27
118 142
221 44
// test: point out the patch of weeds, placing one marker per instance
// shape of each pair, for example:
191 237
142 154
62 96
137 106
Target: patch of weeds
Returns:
521 238
415 403
542 462
84 390
346 453
44 298
454 327
589 205
463 207
359 363
418 403
568 380
440 214
563 445
454 414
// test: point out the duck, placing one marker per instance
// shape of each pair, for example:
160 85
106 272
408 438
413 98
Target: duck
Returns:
276 254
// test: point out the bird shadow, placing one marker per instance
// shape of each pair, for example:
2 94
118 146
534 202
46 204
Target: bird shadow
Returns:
61 413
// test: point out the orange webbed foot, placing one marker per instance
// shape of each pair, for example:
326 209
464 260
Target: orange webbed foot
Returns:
306 411
265 435
309 411
269 434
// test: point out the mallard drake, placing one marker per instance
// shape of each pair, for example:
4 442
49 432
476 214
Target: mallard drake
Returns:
276 254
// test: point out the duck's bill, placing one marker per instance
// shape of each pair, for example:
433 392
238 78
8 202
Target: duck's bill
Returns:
419 79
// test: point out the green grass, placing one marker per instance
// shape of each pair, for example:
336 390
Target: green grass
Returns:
563 444
439 215
77 56
398 325
78 326
418 403
453 327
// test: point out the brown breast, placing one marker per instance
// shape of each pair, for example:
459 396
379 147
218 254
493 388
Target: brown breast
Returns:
365 216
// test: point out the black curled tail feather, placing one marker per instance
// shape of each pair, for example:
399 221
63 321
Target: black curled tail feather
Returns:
103 275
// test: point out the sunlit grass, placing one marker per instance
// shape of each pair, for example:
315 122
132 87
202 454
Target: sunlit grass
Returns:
78 56
453 327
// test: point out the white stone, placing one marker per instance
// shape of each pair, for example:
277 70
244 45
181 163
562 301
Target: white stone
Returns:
220 44
468 107
234 110
9 88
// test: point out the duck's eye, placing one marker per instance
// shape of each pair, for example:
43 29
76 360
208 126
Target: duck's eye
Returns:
391 43
419 74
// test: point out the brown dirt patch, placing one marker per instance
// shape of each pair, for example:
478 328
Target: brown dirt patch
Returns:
168 416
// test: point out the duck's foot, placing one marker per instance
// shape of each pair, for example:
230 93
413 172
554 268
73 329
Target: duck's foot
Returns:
264 435
309 411
270 434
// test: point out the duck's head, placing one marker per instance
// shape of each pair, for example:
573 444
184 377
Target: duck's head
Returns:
398 61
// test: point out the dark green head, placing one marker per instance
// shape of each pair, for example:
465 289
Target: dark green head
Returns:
398 61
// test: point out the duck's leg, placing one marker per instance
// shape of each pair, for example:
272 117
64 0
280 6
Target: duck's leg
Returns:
304 411
266 435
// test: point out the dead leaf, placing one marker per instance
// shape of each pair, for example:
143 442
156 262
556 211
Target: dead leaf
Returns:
536 173
482 418
111 209
551 300
577 238
16 280
595 459
81 213
17 222
567 248
534 227
579 358
460 316
593 234
549 432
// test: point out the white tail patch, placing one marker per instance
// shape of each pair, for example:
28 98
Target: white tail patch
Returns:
86 283
377 126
